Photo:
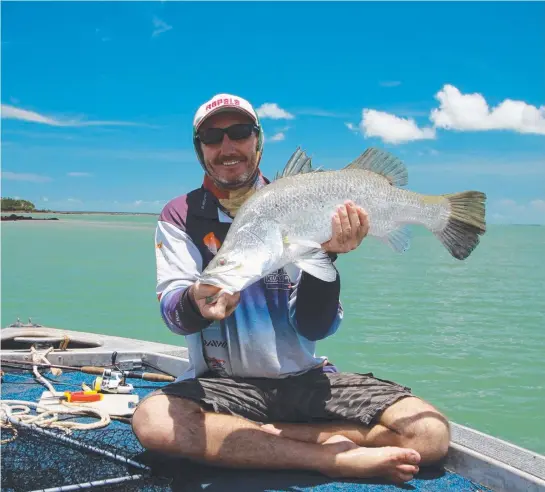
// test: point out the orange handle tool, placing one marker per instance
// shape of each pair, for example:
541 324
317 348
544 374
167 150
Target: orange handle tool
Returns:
82 396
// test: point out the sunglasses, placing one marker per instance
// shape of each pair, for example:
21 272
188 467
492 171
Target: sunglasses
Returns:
239 131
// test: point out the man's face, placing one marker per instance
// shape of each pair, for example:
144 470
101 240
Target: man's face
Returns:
230 163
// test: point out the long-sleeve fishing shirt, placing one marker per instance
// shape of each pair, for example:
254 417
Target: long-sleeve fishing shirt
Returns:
272 332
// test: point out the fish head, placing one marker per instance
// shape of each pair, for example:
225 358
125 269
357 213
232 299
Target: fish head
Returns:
246 256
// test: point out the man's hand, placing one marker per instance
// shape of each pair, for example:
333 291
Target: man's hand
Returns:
350 226
202 296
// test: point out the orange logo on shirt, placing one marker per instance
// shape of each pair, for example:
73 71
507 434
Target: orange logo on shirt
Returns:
212 242
160 245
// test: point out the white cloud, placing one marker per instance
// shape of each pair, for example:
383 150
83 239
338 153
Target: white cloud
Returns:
13 113
391 128
160 27
456 111
538 205
143 203
33 178
79 175
459 111
352 127
390 83
509 211
277 137
273 111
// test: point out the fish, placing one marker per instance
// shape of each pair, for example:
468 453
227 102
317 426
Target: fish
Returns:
287 221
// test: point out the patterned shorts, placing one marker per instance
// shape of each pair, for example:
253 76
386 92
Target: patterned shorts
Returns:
315 396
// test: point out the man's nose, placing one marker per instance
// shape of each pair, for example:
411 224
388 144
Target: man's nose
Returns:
227 144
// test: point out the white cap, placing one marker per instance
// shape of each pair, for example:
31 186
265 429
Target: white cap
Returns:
223 102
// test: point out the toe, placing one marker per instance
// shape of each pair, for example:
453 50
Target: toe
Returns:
405 477
412 469
411 456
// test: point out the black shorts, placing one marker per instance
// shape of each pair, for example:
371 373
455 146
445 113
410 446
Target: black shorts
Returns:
315 396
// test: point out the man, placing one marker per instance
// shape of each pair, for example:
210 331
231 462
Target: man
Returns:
256 395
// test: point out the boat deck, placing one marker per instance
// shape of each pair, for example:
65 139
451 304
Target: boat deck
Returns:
34 461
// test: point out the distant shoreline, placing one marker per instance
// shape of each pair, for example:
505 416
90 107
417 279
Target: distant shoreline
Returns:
74 213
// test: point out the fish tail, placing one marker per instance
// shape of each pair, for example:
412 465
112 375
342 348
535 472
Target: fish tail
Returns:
465 224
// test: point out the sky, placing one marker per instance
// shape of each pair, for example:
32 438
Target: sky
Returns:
98 98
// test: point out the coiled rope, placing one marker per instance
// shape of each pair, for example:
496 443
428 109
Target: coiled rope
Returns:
13 412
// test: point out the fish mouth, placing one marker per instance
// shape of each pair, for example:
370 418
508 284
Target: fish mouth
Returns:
215 282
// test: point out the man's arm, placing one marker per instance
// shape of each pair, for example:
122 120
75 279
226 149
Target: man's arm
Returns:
318 311
179 263
183 299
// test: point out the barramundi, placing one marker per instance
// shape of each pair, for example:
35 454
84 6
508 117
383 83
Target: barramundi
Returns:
288 220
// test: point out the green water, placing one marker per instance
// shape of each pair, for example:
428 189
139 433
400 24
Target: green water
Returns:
467 336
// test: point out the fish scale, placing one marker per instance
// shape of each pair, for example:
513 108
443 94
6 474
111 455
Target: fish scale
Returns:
294 199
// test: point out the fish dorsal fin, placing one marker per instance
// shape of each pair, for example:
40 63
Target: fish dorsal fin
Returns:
383 163
299 163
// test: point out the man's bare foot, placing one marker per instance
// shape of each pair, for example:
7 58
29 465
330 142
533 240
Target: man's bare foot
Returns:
396 464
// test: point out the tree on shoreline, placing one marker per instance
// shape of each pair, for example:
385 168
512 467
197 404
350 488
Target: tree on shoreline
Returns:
13 205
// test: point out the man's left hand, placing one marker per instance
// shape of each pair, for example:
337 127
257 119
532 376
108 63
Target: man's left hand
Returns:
350 226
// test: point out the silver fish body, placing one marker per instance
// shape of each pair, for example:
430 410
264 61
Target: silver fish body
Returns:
288 220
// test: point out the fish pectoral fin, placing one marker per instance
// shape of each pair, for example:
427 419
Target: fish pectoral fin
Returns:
318 264
299 241
383 163
399 239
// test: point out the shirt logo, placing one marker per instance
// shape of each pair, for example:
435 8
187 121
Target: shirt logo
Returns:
278 280
215 343
217 365
212 243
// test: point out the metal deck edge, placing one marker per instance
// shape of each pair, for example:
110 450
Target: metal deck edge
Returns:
490 472
522 459
104 341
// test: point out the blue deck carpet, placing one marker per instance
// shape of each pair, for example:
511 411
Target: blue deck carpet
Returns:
26 461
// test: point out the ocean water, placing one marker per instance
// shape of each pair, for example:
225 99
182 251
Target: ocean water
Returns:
469 337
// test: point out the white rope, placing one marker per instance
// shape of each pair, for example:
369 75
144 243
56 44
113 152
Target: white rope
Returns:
39 358
20 410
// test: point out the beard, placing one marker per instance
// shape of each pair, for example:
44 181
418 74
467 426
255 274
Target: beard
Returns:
243 180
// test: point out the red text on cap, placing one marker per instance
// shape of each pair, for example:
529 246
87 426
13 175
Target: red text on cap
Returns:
222 102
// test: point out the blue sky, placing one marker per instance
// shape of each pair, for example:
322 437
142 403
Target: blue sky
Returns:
98 97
